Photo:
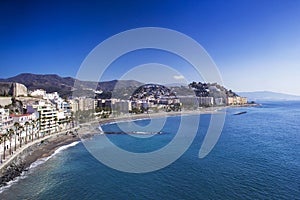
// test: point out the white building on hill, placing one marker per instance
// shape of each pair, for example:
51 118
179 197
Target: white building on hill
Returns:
38 93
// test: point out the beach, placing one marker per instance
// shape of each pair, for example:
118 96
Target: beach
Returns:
21 160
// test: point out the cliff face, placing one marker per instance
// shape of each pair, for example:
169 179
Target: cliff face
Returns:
12 89
6 89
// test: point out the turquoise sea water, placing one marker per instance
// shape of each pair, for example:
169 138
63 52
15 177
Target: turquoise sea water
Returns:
256 157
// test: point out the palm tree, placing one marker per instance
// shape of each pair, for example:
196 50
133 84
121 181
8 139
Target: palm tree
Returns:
4 136
16 125
43 127
10 133
32 128
38 127
66 122
72 120
1 140
21 128
26 127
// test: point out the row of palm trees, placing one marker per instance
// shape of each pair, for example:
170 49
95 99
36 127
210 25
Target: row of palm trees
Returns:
32 130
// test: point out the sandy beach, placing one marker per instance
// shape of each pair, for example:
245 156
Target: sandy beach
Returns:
48 147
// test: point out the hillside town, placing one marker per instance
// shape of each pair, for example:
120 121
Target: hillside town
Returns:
29 115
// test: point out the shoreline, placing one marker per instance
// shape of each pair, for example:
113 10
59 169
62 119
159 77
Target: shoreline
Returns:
45 147
209 110
133 117
22 159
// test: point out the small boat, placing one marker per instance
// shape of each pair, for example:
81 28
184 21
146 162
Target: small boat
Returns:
240 113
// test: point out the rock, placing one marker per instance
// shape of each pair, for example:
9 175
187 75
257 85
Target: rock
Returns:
12 89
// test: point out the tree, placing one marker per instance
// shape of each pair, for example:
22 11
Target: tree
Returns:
1 140
68 122
17 126
37 124
10 133
43 127
72 118
21 128
4 136
32 128
26 127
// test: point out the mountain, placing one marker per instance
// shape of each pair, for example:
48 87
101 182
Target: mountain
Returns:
50 82
65 85
268 96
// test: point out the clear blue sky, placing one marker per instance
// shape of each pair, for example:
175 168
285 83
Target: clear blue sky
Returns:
255 44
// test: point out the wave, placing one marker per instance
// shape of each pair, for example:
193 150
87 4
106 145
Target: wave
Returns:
43 160
100 129
33 165
12 182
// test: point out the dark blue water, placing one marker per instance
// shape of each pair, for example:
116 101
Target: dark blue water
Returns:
256 157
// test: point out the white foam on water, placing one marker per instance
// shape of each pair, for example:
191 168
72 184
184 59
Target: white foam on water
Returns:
100 129
10 183
43 160
35 164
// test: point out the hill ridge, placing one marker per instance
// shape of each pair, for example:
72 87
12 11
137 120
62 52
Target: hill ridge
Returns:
65 85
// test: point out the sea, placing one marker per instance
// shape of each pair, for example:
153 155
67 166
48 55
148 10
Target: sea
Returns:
257 156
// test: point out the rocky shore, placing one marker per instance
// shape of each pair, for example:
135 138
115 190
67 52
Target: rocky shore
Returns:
24 159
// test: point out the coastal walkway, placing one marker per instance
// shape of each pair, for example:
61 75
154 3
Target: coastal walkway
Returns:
10 158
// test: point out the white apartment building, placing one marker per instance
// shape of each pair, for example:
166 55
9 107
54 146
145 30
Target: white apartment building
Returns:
219 101
23 118
38 93
6 122
188 100
52 96
48 117
74 105
206 101
122 106
86 103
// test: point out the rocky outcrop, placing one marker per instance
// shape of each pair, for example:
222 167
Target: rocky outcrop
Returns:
44 148
16 106
12 89
19 164
12 171
6 89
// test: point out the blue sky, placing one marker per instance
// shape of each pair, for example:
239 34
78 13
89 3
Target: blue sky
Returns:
255 44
